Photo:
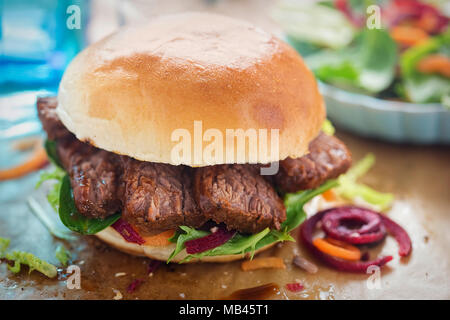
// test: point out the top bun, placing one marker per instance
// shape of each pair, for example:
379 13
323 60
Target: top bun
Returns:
129 92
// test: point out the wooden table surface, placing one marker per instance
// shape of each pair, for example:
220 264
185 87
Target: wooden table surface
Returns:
419 177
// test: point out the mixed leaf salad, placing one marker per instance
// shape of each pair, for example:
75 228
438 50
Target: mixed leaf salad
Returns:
390 49
60 197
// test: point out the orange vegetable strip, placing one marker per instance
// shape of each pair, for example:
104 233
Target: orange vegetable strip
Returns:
36 161
260 263
435 63
159 240
408 36
337 249
329 195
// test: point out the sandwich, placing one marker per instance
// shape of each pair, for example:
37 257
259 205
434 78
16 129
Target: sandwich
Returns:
145 132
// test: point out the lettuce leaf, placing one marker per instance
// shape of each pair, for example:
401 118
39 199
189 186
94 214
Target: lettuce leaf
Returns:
348 187
328 128
358 66
53 195
244 243
33 262
4 245
419 87
63 255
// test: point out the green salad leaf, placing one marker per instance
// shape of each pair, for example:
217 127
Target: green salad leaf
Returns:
4 245
63 255
348 187
358 66
53 195
419 87
74 220
33 262
50 148
244 243
317 24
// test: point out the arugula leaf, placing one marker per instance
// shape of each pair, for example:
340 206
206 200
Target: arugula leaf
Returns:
419 87
74 220
33 262
63 255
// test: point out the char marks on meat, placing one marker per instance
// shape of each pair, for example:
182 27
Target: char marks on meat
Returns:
328 157
239 197
158 197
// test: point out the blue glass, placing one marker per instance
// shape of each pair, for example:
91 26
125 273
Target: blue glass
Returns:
36 43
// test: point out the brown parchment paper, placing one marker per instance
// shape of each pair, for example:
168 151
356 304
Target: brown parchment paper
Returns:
418 176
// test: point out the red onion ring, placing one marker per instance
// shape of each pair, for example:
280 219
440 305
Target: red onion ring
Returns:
210 241
371 231
306 234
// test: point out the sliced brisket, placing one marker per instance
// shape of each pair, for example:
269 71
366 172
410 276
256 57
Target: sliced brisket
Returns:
158 197
328 157
239 197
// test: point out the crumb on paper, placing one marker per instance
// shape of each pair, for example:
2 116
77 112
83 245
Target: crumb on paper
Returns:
118 294
120 274
183 274
224 286
182 295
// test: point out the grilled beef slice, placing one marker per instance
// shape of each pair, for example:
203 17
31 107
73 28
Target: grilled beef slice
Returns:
239 197
158 197
49 118
95 177
328 157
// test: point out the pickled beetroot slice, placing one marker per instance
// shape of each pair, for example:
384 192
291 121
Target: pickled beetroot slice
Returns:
127 232
306 234
400 235
211 241
371 229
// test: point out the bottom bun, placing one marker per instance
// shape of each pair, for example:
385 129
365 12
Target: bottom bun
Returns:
114 239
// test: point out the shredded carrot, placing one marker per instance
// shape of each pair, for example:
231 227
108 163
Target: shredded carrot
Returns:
36 161
435 63
408 35
329 195
337 249
260 263
159 240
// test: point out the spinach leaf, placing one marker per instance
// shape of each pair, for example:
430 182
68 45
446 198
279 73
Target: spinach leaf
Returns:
75 221
50 148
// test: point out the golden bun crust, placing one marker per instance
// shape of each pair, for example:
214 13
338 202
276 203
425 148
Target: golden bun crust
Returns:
114 239
129 92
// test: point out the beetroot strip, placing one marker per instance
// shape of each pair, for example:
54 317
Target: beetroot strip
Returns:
127 232
210 241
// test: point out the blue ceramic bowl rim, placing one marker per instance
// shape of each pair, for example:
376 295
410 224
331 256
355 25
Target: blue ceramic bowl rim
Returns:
352 98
